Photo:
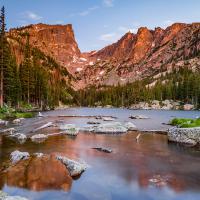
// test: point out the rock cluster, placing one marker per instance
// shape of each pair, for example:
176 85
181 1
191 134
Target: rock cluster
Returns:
184 135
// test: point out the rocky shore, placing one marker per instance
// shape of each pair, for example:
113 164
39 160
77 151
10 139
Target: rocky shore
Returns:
189 136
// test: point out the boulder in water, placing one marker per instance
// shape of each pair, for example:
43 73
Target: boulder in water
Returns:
19 136
103 149
16 156
75 168
39 137
112 127
184 135
138 117
3 122
38 174
130 126
69 129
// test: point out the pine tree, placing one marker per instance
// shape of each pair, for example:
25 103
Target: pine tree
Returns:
2 53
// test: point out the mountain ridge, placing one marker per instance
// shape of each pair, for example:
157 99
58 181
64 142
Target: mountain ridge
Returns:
133 57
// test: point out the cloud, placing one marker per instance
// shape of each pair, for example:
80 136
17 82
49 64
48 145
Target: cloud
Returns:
108 3
85 12
108 37
31 16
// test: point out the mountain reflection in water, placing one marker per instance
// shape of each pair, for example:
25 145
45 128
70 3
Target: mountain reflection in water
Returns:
149 169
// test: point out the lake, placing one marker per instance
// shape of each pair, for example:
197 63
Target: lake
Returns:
149 169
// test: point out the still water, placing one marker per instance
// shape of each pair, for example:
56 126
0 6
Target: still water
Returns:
149 169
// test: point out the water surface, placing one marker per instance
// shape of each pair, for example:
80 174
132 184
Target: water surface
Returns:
149 169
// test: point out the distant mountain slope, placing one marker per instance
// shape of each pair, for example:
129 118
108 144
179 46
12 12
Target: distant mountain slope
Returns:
148 53
145 54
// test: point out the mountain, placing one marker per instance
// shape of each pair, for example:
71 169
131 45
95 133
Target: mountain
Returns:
40 53
57 41
148 53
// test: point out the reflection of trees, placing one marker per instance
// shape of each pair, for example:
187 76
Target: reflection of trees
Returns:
130 161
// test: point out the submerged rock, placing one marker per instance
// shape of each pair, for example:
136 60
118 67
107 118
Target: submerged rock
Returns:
75 168
92 122
3 122
130 126
39 138
110 128
114 127
184 135
102 149
138 117
8 131
19 136
4 196
16 156
17 121
108 119
69 129
49 124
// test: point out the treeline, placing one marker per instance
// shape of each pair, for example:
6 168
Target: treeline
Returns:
36 81
180 85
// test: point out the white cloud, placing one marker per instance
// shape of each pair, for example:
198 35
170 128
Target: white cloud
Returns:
108 3
108 37
85 12
31 16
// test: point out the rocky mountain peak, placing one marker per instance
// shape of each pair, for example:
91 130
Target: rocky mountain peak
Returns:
57 41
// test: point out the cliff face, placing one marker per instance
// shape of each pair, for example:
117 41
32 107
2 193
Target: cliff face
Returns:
145 54
57 41
134 56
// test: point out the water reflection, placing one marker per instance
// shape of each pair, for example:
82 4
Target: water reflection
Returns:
38 174
144 170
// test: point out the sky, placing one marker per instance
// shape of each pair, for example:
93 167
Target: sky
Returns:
98 23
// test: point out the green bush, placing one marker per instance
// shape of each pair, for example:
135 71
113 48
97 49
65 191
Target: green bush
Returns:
185 122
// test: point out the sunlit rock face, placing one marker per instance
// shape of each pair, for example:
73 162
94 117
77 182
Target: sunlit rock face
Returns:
57 41
144 54
38 174
133 57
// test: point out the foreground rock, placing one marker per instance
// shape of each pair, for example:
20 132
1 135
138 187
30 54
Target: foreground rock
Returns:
38 174
75 168
102 149
16 156
69 129
4 196
184 135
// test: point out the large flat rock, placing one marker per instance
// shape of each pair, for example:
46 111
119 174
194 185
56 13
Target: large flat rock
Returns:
184 135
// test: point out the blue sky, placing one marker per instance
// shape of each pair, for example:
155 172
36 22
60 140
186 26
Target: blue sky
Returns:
98 23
